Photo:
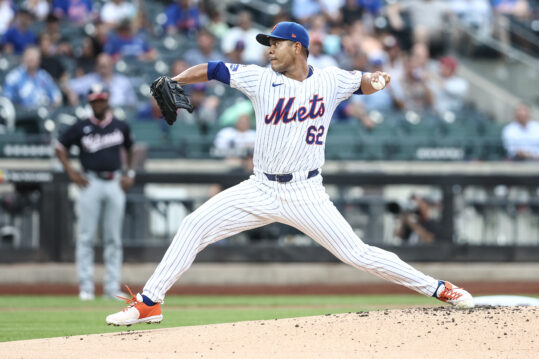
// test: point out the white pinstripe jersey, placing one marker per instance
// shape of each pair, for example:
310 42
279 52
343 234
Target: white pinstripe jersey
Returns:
292 117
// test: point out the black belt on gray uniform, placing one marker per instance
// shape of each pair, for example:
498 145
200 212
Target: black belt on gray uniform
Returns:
104 175
288 177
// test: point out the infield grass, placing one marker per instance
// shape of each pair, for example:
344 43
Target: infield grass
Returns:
29 317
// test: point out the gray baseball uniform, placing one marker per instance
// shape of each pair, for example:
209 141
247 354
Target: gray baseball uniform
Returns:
103 198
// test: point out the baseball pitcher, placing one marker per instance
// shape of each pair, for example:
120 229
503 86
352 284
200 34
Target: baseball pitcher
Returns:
294 104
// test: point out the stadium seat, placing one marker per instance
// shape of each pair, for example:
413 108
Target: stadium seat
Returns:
149 132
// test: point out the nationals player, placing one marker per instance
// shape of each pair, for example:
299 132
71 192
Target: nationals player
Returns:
294 104
100 139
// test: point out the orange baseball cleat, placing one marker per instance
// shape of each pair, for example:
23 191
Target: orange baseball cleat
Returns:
454 295
136 312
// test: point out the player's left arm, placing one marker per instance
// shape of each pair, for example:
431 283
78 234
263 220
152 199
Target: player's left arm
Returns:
193 75
369 77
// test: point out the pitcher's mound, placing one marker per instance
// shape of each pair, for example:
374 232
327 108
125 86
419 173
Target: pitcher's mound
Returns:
489 332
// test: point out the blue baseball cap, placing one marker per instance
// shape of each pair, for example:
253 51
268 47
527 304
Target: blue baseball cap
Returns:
286 31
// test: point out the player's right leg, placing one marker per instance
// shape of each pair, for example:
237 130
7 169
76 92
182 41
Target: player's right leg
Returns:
232 211
89 207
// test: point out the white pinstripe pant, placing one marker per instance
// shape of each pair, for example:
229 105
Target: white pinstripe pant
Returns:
303 204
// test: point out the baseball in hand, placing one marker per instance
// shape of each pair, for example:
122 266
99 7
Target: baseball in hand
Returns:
380 84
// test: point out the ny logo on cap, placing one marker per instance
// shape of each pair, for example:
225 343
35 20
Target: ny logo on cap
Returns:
293 35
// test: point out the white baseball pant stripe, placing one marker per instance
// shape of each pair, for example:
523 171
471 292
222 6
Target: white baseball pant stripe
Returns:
303 204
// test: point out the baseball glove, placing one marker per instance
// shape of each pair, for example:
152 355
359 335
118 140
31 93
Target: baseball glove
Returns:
170 96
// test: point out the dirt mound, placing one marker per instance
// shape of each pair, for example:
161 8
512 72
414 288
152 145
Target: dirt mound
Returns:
487 332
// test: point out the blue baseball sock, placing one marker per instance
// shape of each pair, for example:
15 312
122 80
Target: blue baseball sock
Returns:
440 283
147 301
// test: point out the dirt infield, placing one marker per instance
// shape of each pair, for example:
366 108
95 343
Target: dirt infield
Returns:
485 332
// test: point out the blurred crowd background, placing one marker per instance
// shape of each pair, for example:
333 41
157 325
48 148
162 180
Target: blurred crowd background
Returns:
461 70
464 89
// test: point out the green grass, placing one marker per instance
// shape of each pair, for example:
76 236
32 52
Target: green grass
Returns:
29 317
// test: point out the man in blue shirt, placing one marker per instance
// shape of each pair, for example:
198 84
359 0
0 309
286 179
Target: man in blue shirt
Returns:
183 17
124 43
30 86
78 11
19 36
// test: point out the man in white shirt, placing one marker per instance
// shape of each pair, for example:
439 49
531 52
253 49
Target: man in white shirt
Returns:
317 57
116 11
521 137
6 15
122 93
253 52
236 141
450 90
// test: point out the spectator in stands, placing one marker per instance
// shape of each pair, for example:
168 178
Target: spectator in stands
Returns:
241 107
85 62
19 36
6 15
521 137
372 7
506 11
141 22
236 144
365 41
100 35
49 61
114 12
121 90
39 8
236 55
382 101
349 110
77 11
178 67
318 26
330 9
244 31
450 90
317 58
399 24
205 49
205 108
475 14
416 221
237 141
216 25
351 11
52 28
422 59
183 17
394 65
150 111
303 10
412 90
429 19
30 86
125 43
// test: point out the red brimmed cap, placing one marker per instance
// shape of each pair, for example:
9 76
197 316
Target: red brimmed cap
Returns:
98 92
